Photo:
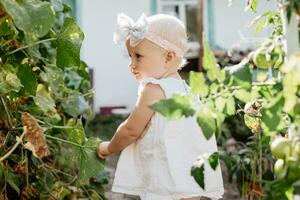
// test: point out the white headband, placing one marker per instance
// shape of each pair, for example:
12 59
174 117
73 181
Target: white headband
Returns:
137 31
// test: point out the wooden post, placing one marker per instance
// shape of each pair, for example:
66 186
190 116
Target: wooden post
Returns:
290 33
91 74
291 45
200 32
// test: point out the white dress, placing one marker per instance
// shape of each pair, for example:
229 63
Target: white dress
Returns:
158 165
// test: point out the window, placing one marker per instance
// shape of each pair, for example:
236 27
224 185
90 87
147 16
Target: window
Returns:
186 11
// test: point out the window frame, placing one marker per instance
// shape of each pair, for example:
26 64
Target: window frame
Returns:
182 16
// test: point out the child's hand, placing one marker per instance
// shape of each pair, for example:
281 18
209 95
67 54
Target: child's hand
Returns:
102 150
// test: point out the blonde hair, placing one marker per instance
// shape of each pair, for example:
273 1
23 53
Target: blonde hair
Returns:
171 29
164 30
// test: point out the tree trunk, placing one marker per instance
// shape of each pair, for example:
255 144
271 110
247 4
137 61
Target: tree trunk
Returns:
200 32
291 33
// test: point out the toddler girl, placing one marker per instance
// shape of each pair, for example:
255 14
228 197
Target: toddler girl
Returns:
156 153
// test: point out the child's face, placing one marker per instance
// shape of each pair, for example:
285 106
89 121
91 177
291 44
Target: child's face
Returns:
146 59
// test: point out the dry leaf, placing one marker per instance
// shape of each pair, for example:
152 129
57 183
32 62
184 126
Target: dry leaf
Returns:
28 192
34 135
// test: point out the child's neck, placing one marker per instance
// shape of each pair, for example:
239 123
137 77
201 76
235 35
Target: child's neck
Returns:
171 75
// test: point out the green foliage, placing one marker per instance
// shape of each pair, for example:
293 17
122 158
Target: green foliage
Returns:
206 119
35 18
84 155
41 73
197 172
68 44
176 107
198 169
28 79
252 4
266 92
198 85
213 160
210 64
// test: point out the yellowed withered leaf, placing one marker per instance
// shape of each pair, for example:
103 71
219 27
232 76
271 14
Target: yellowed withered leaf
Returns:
34 135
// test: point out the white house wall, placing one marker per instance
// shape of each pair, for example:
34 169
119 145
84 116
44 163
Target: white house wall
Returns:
231 23
114 84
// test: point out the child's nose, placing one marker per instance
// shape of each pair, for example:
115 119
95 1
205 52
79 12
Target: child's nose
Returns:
132 64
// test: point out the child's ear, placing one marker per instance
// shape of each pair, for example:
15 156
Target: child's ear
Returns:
169 55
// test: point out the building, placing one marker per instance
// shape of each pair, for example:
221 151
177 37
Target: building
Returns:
226 27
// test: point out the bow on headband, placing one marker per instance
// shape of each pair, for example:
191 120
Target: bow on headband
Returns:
128 29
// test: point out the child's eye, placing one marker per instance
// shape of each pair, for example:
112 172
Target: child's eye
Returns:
138 55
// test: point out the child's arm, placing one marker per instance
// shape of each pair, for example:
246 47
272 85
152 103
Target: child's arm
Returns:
134 125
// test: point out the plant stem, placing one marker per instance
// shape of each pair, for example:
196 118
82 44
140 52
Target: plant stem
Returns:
27 170
7 113
6 138
59 127
30 45
65 141
13 148
260 160
59 171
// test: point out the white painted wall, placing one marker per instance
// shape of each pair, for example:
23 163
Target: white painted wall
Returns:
232 22
114 84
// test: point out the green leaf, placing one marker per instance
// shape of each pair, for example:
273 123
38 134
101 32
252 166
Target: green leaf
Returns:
59 190
76 134
260 25
220 103
84 157
214 88
263 21
207 121
9 82
68 44
197 84
33 50
241 76
83 71
72 78
210 64
242 95
219 122
175 107
272 116
197 172
213 160
88 162
289 193
7 28
54 76
28 79
75 105
12 179
48 179
253 4
230 106
45 102
32 16
268 92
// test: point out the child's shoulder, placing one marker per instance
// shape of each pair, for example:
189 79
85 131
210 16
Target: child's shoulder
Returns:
152 91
